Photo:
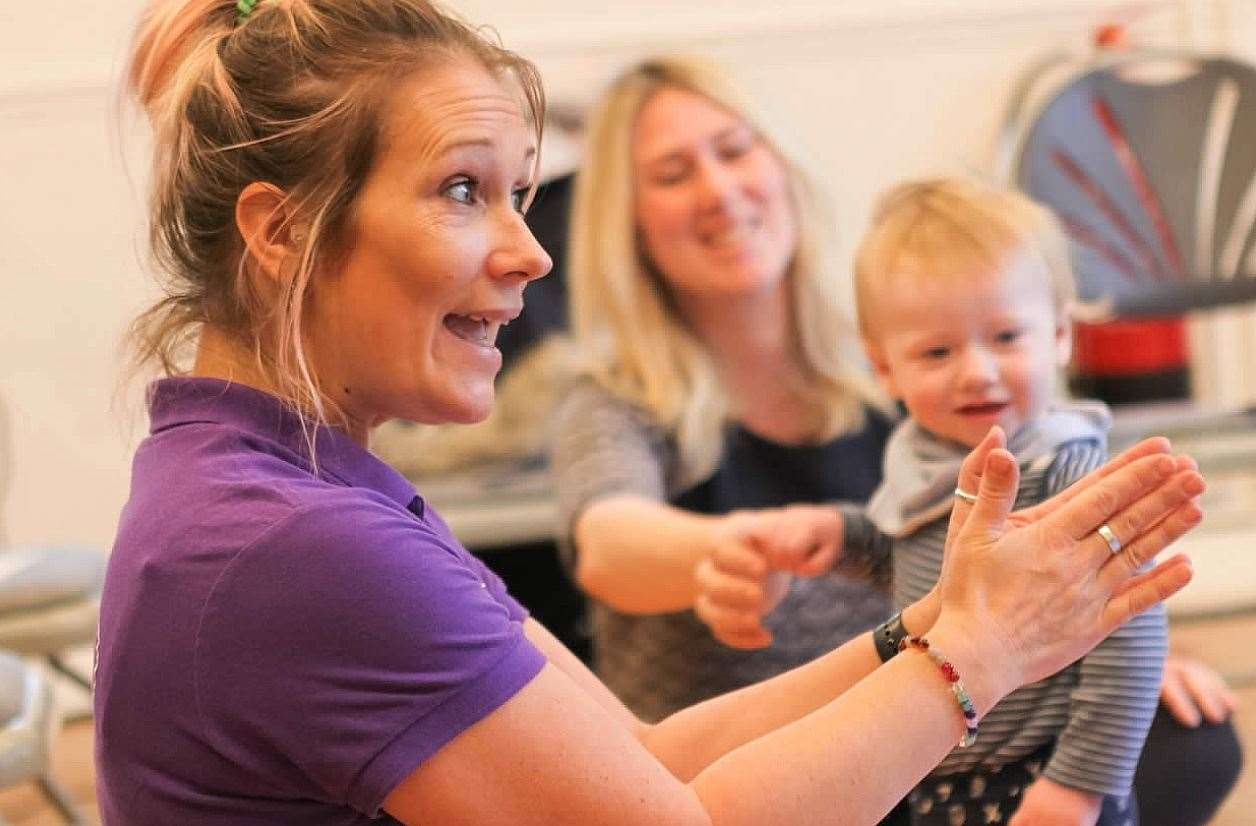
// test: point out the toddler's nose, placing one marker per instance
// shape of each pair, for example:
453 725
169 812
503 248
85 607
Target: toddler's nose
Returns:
978 368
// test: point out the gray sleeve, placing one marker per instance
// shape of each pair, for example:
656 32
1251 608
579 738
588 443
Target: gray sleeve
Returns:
602 446
1118 686
865 550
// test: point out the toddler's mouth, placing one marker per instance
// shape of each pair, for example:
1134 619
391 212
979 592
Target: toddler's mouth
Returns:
984 409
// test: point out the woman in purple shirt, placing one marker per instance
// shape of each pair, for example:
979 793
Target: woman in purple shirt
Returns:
288 635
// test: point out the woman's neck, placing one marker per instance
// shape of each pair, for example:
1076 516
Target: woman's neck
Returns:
219 355
756 362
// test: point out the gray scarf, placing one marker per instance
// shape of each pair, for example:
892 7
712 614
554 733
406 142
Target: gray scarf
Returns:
921 469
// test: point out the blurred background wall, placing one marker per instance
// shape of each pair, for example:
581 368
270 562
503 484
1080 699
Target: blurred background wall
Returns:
879 89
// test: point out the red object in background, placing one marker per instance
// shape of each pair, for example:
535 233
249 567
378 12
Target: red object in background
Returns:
1110 36
1130 346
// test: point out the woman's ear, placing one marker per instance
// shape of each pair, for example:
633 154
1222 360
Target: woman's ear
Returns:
272 235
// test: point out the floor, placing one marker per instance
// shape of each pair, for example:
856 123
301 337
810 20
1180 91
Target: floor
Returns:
1225 643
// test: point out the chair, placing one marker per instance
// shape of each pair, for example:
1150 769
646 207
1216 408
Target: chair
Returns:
1149 159
27 722
49 594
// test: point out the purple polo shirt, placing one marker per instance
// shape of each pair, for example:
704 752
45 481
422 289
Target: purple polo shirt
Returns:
278 645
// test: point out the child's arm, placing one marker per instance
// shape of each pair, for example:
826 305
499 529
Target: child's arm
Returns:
1113 703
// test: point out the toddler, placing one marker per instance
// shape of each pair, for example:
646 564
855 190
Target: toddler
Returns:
963 294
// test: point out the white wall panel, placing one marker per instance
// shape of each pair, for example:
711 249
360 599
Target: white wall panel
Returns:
879 90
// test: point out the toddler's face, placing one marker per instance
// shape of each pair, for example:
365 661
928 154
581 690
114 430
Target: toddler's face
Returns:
965 352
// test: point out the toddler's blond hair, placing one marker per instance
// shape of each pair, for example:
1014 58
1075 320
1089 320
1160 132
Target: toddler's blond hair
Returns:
942 227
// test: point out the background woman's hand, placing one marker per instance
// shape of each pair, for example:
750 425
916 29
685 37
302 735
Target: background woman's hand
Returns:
752 563
1040 588
1192 691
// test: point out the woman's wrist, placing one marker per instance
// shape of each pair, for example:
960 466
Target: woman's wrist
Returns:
920 617
989 670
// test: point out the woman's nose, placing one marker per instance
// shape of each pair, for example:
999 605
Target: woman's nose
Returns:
518 254
716 184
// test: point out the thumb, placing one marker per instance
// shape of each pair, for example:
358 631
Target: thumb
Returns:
1000 479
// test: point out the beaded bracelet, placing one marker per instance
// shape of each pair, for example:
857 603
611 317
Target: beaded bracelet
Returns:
957 686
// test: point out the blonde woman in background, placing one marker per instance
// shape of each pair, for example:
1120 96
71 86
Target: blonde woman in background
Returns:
717 395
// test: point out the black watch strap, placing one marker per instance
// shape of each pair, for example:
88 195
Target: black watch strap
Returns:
888 635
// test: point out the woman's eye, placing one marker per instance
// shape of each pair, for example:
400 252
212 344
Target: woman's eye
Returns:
519 198
461 190
1007 336
669 175
935 353
733 151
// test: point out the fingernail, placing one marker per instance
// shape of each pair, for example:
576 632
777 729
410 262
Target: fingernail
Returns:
1195 485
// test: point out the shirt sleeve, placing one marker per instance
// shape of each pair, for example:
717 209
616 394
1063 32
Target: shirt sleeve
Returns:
346 646
865 550
1112 706
603 447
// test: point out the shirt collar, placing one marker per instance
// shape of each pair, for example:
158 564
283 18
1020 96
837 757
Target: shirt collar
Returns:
192 399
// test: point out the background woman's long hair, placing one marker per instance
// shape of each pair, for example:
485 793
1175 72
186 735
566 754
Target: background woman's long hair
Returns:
624 323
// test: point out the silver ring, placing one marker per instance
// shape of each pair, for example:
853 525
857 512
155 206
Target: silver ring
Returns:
970 498
1104 531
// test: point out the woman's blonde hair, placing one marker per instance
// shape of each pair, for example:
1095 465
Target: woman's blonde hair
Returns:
946 227
636 344
290 95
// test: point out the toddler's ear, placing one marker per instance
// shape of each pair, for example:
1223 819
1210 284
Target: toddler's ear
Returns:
881 368
1064 337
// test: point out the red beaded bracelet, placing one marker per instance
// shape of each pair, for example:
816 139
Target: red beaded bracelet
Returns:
957 686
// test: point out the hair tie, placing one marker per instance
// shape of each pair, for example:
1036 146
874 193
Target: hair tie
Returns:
243 9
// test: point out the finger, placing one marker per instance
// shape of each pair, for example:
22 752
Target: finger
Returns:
1185 462
996 495
790 547
1211 694
739 559
970 479
1146 590
760 639
1140 517
1147 447
1175 698
1121 566
726 623
732 592
820 561
1098 503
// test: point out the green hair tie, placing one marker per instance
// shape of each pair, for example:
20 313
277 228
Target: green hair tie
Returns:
243 9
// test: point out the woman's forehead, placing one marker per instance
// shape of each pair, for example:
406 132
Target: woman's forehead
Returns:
673 118
432 113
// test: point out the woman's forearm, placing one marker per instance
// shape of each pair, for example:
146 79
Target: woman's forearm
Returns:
853 758
638 555
692 739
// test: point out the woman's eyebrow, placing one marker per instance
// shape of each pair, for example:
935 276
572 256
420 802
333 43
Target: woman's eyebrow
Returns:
479 142
715 137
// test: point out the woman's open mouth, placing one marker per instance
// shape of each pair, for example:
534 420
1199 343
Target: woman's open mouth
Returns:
478 331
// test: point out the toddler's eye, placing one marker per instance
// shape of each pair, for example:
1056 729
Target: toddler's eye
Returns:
1008 336
461 190
935 353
